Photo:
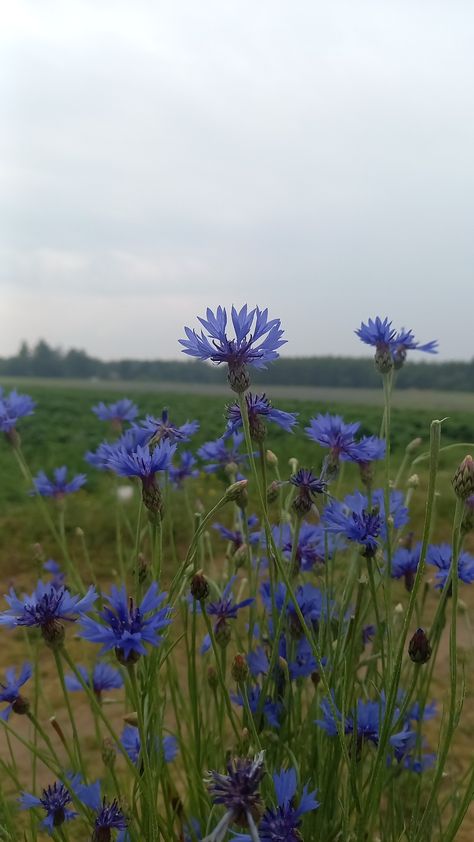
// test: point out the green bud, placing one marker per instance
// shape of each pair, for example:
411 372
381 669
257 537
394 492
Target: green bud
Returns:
463 479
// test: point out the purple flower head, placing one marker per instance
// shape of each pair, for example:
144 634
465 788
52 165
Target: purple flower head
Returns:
10 690
220 455
362 527
311 548
308 486
45 608
55 801
259 409
162 429
225 608
105 454
282 823
236 536
186 469
441 557
364 723
126 627
238 790
104 677
143 462
331 431
13 407
122 410
405 563
57 576
405 341
131 744
251 346
108 814
271 710
59 486
378 333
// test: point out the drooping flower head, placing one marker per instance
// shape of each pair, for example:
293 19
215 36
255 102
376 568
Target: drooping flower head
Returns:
10 691
45 609
58 487
55 801
238 790
162 429
131 744
308 485
13 407
127 627
104 677
122 410
185 470
255 343
282 822
259 410
440 556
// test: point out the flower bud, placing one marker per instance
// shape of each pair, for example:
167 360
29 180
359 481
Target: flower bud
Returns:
131 719
273 492
109 753
463 479
258 429
212 679
237 493
152 498
414 445
419 648
126 660
222 633
53 634
199 586
413 481
239 669
20 706
315 678
240 556
467 524
231 469
272 458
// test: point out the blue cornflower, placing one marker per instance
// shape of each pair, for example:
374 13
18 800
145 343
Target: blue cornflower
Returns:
161 429
238 791
378 333
57 576
224 609
311 544
127 627
368 633
405 563
57 487
362 527
259 409
236 536
55 800
365 723
10 691
332 431
186 469
45 608
280 824
145 462
271 710
104 456
122 410
441 557
108 814
13 407
131 743
104 677
308 486
220 455
247 348
405 341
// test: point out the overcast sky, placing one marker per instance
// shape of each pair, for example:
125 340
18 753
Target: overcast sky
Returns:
159 157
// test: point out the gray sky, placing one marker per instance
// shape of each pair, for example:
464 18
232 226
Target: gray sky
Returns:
159 157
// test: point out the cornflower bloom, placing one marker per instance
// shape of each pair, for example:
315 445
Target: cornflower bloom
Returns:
55 800
238 791
145 463
104 677
391 347
405 341
271 711
331 431
282 822
13 407
57 576
225 609
108 814
221 456
259 410
308 486
10 691
125 627
161 429
311 547
59 486
252 346
441 557
362 527
186 469
103 457
45 609
122 410
364 723
405 563
131 744
236 536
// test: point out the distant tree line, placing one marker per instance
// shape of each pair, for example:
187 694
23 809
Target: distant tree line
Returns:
44 361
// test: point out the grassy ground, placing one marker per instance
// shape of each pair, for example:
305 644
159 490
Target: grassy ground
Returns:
63 428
